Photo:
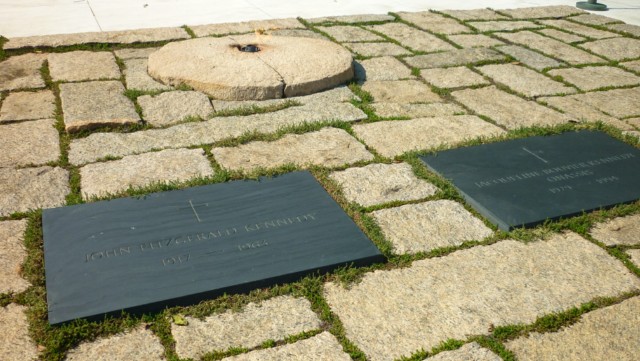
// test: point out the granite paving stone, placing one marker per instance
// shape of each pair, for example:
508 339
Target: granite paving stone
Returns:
22 72
387 110
382 68
508 110
273 319
618 231
139 344
524 80
15 343
460 76
503 25
29 143
626 28
323 346
551 47
610 333
134 53
349 33
12 255
256 26
412 37
328 147
83 65
474 14
365 18
454 58
469 352
615 48
173 107
296 33
392 138
472 290
529 57
23 190
542 12
377 49
592 77
136 76
620 103
634 121
634 254
582 111
401 91
562 36
165 166
579 29
474 40
632 65
97 103
27 106
382 183
434 22
594 19
427 226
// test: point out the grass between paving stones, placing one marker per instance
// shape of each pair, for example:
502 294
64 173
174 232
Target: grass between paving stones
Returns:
255 109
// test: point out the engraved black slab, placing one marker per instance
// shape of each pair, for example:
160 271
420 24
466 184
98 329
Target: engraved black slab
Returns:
523 182
180 247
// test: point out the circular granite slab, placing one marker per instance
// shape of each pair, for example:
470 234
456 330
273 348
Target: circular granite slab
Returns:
284 66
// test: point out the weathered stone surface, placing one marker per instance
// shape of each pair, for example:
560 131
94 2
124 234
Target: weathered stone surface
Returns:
246 27
416 110
469 291
29 143
524 80
475 14
579 29
594 19
377 49
382 68
274 319
454 58
172 107
393 138
426 226
508 110
474 40
470 352
618 231
134 53
411 37
400 91
15 343
452 77
165 166
349 33
351 19
615 48
100 145
562 36
382 183
328 147
632 65
595 77
626 28
434 22
634 254
620 103
12 255
320 347
299 33
83 65
552 47
634 121
110 37
96 103
22 190
610 333
530 58
138 344
558 11
27 106
137 77
503 25
21 71
217 67
581 111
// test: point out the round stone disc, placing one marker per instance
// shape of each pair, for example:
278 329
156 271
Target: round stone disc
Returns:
284 66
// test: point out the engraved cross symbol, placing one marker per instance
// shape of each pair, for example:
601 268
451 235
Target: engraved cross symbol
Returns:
193 208
535 155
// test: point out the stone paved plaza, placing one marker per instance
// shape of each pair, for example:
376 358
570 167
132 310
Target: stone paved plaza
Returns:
81 120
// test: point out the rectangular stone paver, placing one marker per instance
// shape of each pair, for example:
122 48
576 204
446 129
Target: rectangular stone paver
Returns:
139 344
172 107
246 27
579 29
134 53
401 91
619 103
12 255
365 18
524 80
562 36
392 138
274 319
434 22
552 47
475 14
618 231
137 77
323 346
615 48
377 49
23 190
22 72
412 37
382 68
474 40
469 291
508 110
581 111
170 165
349 33
328 147
610 333
530 57
452 77
503 25
387 110
626 28
632 65
29 143
83 65
594 19
27 106
595 77
15 343
542 12
94 104
454 58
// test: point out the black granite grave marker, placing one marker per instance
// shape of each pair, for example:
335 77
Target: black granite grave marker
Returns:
179 247
523 182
